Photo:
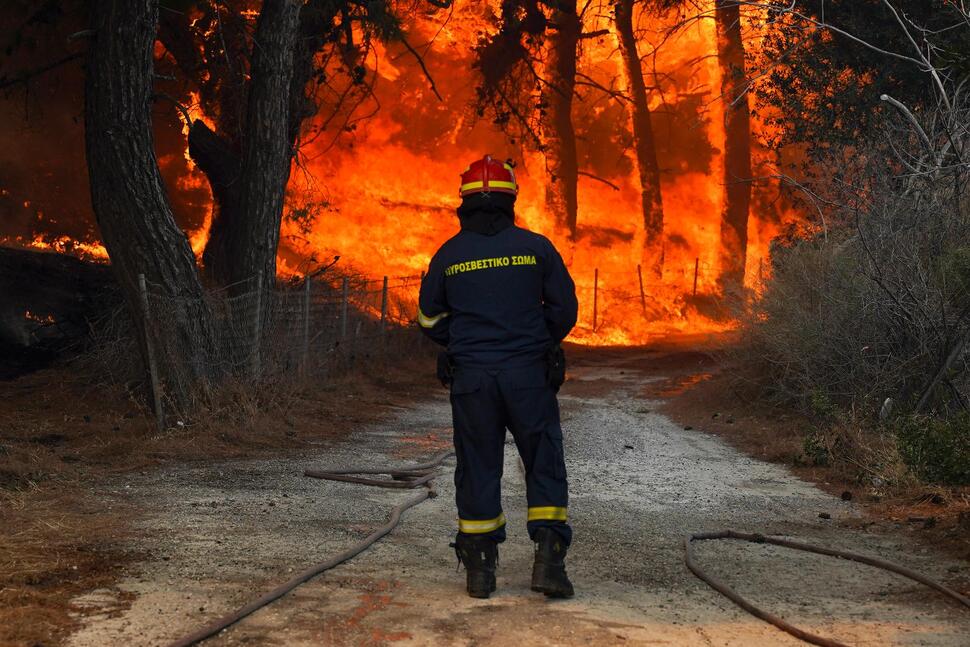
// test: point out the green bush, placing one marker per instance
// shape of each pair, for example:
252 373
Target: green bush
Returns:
816 449
821 405
937 450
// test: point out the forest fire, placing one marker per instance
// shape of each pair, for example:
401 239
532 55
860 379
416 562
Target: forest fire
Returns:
65 245
376 184
248 242
385 192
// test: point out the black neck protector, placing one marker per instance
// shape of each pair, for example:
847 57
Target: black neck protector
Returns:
487 213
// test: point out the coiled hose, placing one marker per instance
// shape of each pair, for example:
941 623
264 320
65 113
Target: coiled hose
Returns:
402 478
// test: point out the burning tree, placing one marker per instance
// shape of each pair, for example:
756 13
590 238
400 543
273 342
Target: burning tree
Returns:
261 88
555 113
737 144
537 104
248 161
651 199
737 174
537 45
529 71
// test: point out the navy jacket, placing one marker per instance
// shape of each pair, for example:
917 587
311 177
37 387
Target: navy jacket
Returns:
497 300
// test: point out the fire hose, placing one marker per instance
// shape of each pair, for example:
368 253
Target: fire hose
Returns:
423 474
801 634
401 478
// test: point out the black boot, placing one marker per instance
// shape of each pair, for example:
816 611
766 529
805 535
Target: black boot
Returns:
479 555
549 571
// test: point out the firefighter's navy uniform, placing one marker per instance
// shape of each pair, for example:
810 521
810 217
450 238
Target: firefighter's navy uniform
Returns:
500 297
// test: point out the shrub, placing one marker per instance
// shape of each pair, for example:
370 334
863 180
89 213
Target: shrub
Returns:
875 305
937 450
871 307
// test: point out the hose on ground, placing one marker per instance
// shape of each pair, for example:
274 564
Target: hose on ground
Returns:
410 477
801 634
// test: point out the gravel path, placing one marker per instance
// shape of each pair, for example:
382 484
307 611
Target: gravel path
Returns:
219 535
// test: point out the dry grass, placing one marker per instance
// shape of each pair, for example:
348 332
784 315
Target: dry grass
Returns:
57 425
54 545
62 432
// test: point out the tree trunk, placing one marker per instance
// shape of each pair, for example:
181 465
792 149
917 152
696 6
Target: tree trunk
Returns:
643 141
216 158
266 148
127 192
737 145
249 177
220 153
558 136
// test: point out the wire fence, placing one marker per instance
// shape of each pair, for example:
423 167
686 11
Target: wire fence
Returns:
262 334
623 298
269 333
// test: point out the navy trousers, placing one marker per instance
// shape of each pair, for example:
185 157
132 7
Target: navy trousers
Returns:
484 403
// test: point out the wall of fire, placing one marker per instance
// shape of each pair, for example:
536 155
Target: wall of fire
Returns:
379 189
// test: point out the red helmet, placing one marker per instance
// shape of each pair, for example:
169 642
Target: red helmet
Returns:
488 175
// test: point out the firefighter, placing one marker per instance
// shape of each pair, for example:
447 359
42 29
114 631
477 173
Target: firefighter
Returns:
500 299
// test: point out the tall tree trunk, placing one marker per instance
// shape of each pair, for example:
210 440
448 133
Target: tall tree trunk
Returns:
643 141
266 149
248 173
127 192
737 145
558 136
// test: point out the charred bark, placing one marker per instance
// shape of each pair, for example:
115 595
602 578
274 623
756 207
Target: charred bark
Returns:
220 163
737 145
643 140
127 192
558 135
248 166
266 148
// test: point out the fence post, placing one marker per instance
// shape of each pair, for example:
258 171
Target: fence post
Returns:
596 286
355 343
643 296
257 325
343 308
150 356
306 324
384 310
697 263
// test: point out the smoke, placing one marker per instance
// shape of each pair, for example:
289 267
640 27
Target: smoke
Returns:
43 181
44 193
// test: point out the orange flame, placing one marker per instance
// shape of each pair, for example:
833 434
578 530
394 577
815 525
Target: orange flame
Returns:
387 191
64 245
383 190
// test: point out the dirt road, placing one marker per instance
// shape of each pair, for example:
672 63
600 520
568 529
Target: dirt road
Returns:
219 535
